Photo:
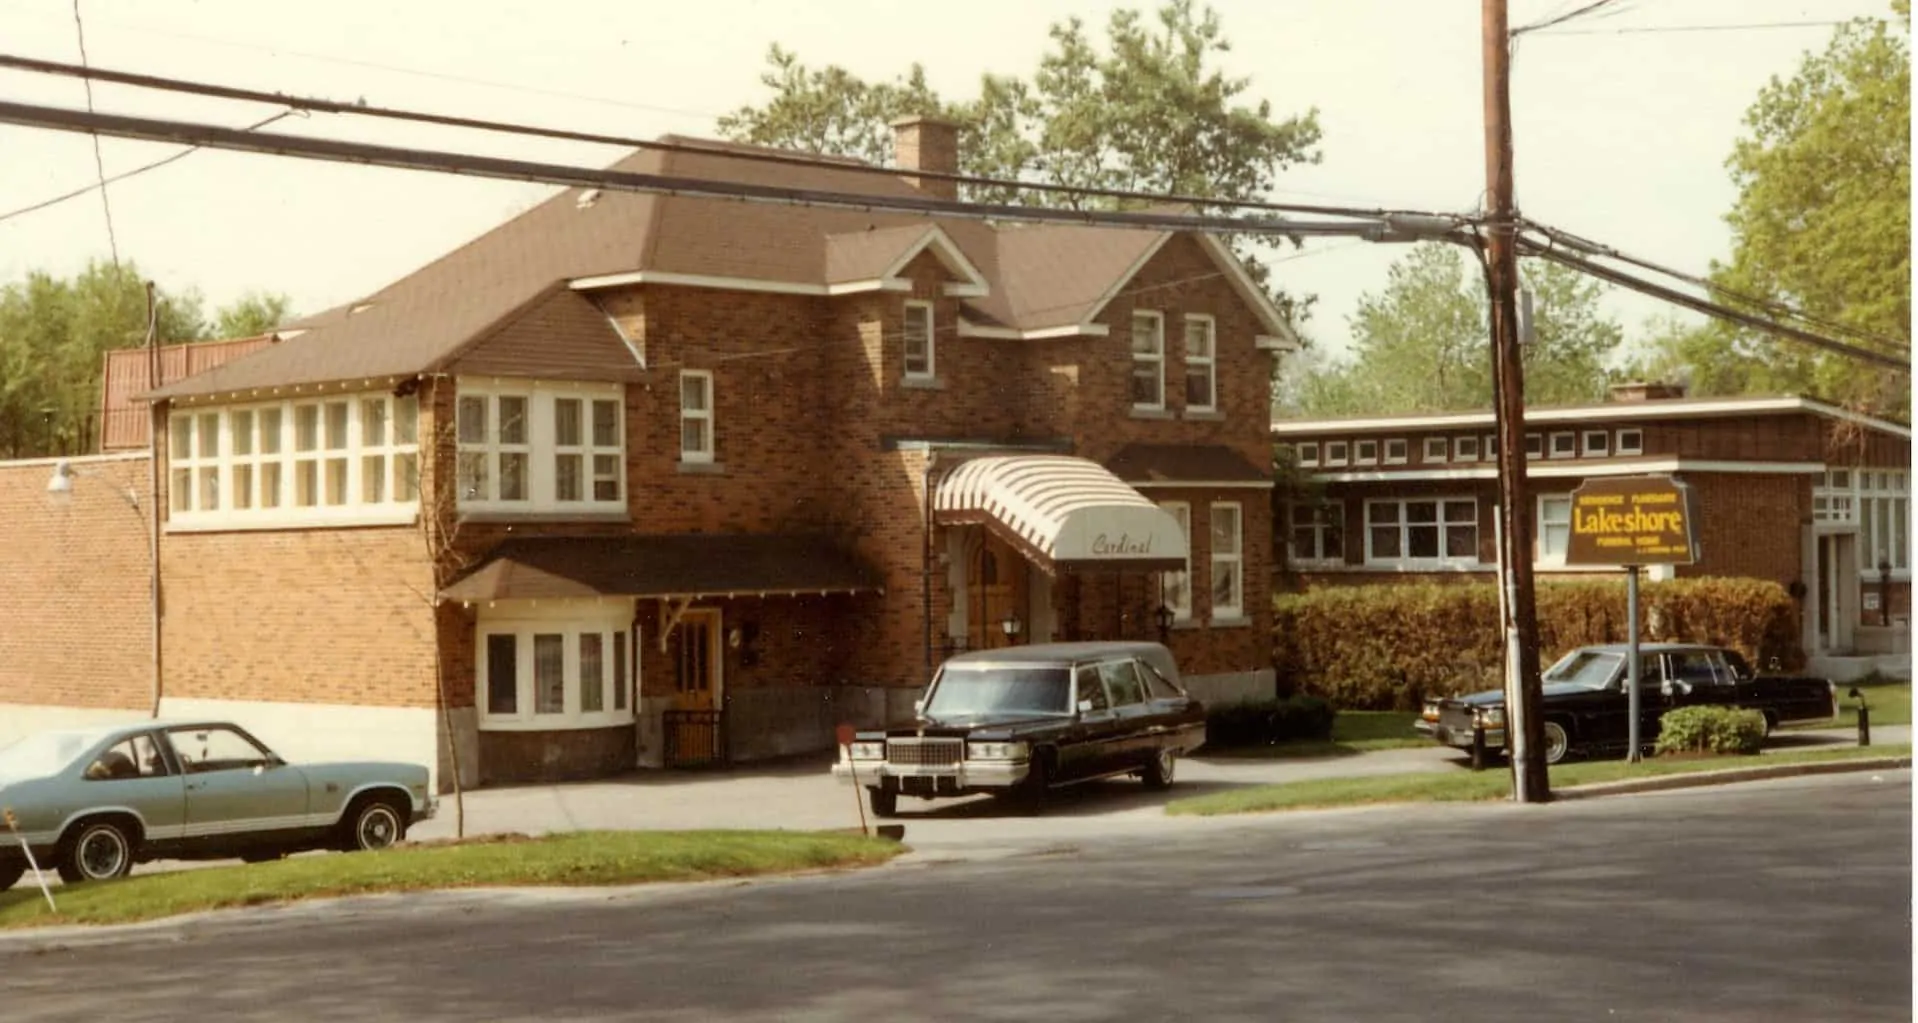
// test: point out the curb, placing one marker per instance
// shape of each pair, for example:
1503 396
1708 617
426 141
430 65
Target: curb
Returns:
1699 779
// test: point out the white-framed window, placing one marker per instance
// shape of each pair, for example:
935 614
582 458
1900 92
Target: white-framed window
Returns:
1317 534
696 443
1365 452
1148 360
1175 588
1465 449
1436 449
1837 500
1396 451
918 356
1629 442
1489 451
1201 364
1554 527
540 446
1422 532
1597 444
495 448
556 673
1337 452
1308 453
588 450
1534 446
1879 501
341 459
1564 445
1228 561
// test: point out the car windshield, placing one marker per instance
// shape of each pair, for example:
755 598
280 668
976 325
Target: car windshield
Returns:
968 690
47 753
1592 669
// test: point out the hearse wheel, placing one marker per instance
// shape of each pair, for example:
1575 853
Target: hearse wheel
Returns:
10 874
1557 743
1036 791
1159 773
884 803
100 851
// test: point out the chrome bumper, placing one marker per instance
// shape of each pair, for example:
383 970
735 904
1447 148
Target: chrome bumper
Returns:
1460 738
981 774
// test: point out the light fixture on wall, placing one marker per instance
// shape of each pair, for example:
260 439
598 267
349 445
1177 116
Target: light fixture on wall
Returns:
735 638
1011 625
1164 616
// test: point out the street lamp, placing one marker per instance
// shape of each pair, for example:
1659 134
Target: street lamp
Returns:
60 494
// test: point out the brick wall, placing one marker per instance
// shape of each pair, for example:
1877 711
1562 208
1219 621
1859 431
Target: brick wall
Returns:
1750 525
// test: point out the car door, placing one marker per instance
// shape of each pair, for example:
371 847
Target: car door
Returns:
1174 721
1132 742
132 774
235 788
1095 730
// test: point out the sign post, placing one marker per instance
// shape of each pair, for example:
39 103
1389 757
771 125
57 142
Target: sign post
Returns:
1632 521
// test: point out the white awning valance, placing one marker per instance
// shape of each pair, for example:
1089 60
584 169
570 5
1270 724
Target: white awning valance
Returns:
1070 511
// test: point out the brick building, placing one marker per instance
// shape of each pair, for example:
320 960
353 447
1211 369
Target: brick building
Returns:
644 479
1790 489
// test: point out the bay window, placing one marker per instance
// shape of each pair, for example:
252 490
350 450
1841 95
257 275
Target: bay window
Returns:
540 446
560 671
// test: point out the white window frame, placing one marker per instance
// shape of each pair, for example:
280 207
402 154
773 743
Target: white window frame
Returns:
599 461
1570 446
617 651
1465 449
1489 450
1235 609
1404 561
1534 446
1879 501
1546 503
1308 453
1338 452
1405 451
1595 444
1205 365
1365 452
246 456
1154 358
1179 584
1636 445
1437 449
707 415
916 309
1317 556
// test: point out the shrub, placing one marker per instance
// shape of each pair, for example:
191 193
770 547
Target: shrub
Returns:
1710 730
1387 647
1264 722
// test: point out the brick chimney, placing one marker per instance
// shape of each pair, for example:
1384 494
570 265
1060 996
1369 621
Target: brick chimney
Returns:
921 143
1645 390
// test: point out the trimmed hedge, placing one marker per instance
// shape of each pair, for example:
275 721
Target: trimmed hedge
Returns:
1388 647
1264 722
1710 730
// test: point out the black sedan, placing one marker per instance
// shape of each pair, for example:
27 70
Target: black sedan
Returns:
1024 720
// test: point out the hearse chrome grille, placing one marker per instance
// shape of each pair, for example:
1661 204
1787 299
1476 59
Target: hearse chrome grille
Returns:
925 752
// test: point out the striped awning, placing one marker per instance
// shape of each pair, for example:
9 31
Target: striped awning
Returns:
1070 512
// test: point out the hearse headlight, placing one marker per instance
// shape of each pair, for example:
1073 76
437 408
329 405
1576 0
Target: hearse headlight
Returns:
996 751
1430 712
869 751
1492 717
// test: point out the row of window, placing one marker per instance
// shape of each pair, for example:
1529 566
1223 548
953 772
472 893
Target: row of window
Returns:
287 457
547 675
1878 501
1468 448
1226 563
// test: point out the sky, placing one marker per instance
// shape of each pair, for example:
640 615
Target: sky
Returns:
1622 122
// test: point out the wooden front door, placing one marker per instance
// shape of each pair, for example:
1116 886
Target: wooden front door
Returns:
695 726
996 589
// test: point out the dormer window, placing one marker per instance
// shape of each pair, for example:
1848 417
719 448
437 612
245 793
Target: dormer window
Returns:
918 339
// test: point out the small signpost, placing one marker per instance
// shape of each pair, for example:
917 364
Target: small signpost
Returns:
846 734
1632 521
13 825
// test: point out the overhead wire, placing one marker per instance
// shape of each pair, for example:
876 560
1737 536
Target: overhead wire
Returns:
1657 29
99 162
1545 23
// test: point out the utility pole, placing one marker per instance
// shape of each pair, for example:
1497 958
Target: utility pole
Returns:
1523 728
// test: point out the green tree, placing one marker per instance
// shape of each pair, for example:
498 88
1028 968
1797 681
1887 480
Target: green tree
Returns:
251 315
1149 111
1822 222
1422 344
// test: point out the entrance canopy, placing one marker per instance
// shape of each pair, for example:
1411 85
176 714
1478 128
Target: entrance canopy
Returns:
1071 512
684 567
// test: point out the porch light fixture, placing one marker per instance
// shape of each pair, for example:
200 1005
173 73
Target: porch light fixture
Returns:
1011 625
60 495
1164 617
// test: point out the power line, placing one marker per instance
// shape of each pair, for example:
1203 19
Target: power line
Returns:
135 172
1653 29
789 159
1589 8
99 163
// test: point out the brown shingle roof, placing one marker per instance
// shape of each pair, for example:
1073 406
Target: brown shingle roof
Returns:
1183 463
693 565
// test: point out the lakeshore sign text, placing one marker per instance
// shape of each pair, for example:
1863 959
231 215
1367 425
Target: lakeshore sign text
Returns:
1632 520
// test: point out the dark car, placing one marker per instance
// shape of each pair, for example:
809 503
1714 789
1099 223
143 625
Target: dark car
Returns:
1024 720
1586 708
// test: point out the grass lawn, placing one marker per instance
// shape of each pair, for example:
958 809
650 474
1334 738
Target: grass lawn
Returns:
1889 699
1495 783
580 858
1353 732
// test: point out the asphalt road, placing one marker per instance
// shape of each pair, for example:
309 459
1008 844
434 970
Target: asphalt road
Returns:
1777 900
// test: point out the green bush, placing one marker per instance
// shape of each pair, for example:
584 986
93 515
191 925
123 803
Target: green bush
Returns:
1264 722
1710 730
1387 647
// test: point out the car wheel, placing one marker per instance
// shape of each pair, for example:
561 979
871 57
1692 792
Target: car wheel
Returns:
1557 743
10 874
1770 723
1036 791
1159 773
884 803
100 851
373 825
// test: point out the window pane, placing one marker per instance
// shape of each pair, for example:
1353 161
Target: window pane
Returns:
512 475
472 419
918 339
502 674
1422 541
1145 335
1198 386
1146 382
336 481
243 485
1421 511
605 477
209 488
1334 545
567 423
373 479
270 474
406 420
181 443
512 419
243 432
1385 541
306 427
1225 529
549 673
1900 534
270 426
1461 542
473 481
692 436
1198 339
1461 511
592 677
181 490
606 424
1382 513
567 478
208 432
373 422
692 393
406 476
336 412
1225 585
619 671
